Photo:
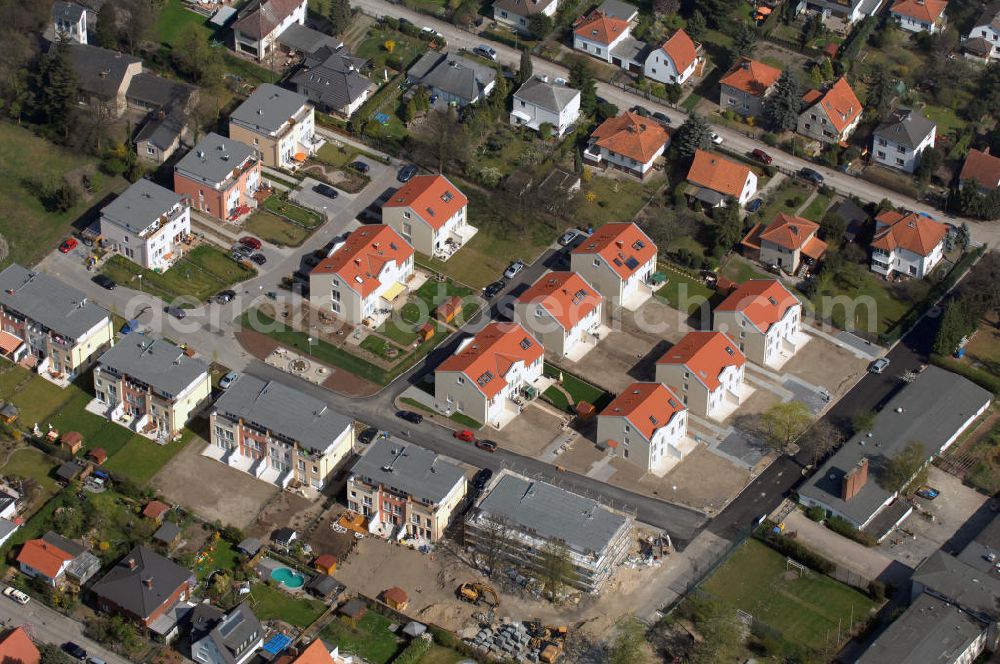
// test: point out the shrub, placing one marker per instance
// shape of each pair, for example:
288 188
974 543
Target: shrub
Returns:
847 529
391 22
876 590
770 139
444 637
799 552
816 513
413 652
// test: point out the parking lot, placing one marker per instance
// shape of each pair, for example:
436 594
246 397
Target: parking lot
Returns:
333 208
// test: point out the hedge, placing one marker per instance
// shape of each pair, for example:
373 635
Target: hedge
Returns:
375 103
858 37
845 528
413 652
793 549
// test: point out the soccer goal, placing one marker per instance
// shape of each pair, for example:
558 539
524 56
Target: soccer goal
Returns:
797 566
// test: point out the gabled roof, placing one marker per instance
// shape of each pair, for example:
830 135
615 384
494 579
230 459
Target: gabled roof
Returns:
42 556
982 167
462 77
711 171
623 246
486 358
432 197
906 127
522 7
647 407
927 11
789 232
763 301
839 103
100 71
752 77
16 647
260 18
268 109
361 259
333 76
155 509
46 300
544 94
156 362
990 16
623 10
681 50
601 28
705 354
566 296
141 582
315 653
911 231
963 584
632 136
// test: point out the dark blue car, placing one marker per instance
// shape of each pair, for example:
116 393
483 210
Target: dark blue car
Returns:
755 205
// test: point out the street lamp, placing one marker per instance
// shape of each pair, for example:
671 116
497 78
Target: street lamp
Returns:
309 341
140 281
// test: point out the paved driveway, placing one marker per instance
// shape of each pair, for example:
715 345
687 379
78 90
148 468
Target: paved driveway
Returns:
870 563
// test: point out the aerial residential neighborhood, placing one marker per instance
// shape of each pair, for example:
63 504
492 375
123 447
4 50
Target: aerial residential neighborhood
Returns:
426 332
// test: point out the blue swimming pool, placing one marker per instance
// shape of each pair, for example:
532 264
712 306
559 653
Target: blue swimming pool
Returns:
288 577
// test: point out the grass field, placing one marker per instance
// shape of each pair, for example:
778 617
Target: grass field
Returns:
441 655
272 603
140 459
30 230
32 463
370 639
685 293
405 49
874 304
806 610
201 273
175 19
817 207
38 401
613 199
787 198
296 213
222 557
272 228
579 389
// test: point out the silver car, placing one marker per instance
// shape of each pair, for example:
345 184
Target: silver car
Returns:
879 365
514 269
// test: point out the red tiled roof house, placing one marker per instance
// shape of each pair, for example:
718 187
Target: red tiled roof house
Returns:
603 34
919 15
744 87
831 116
431 214
674 61
618 260
563 311
44 560
628 142
907 243
646 425
488 372
16 647
706 369
716 178
764 319
784 243
982 168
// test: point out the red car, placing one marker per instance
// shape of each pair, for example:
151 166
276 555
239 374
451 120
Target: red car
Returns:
68 245
762 156
465 436
251 242
487 445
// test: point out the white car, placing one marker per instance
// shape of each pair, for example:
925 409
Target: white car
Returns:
879 365
485 51
716 138
228 380
16 595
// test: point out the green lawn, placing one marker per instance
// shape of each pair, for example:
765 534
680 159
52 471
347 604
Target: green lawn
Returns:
97 431
32 463
223 557
578 388
272 228
441 655
296 213
11 377
176 19
200 274
371 639
338 156
379 346
425 299
38 401
817 207
30 230
787 198
140 459
372 48
685 293
271 603
874 304
614 200
805 610
740 271
457 418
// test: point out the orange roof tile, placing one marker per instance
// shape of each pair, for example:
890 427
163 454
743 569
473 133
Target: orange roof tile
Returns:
647 407
602 28
789 232
155 509
814 248
16 647
763 301
325 560
433 198
717 173
982 167
752 77
705 354
396 594
488 357
632 136
681 50
565 295
44 557
928 11
315 653
364 255
839 103
622 245
911 231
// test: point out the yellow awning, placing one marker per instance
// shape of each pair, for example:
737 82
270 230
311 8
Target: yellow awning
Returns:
393 291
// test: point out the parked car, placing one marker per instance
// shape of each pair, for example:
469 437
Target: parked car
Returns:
16 595
927 492
482 478
359 166
93 659
228 380
74 651
368 435
487 445
410 416
68 245
311 261
176 312
813 176
662 117
104 281
514 269
250 241
879 365
761 156
569 237
244 250
407 172
493 289
716 138
226 296
465 436
640 110
486 52
324 189
259 259
755 205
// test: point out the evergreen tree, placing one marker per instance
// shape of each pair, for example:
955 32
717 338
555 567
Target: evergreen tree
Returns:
581 77
816 76
540 25
526 68
744 42
930 161
956 322
781 107
811 29
828 72
58 89
728 228
880 91
107 25
339 14
695 134
696 25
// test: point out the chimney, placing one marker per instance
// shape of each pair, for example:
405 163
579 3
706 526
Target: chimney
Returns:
854 480
131 563
148 582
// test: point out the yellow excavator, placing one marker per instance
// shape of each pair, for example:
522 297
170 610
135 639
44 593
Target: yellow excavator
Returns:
477 592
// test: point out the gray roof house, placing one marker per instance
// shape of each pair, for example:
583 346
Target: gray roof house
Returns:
150 92
948 578
144 586
224 638
618 9
932 410
143 203
539 102
452 78
162 134
214 159
268 109
104 76
155 362
303 39
408 469
516 13
331 78
899 142
49 302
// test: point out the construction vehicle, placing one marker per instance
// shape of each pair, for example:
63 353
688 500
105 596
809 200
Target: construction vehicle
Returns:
551 653
476 592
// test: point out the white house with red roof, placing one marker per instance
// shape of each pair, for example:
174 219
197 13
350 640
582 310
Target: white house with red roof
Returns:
628 142
646 425
363 277
764 319
599 33
491 375
715 178
830 116
564 312
675 61
981 168
919 15
785 243
706 370
907 243
430 213
44 560
619 261
745 86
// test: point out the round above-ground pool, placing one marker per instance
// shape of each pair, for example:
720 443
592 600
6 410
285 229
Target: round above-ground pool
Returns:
288 577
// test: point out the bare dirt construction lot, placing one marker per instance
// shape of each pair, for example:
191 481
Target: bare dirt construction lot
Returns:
704 481
827 365
531 431
212 489
286 510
